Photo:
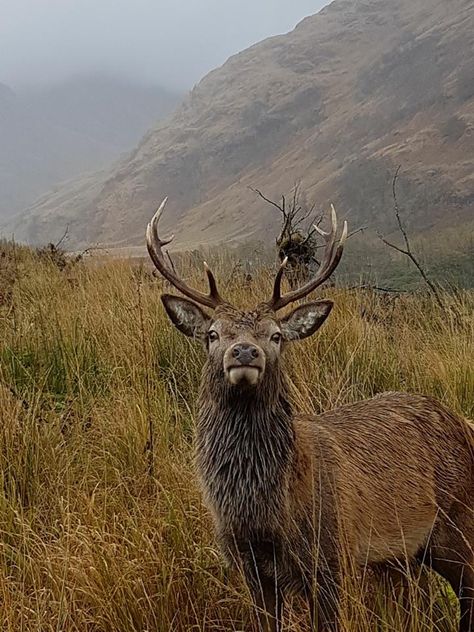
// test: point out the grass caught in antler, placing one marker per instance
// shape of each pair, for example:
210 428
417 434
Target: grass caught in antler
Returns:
90 539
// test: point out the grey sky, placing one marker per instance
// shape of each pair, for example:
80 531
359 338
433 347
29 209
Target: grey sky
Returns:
170 42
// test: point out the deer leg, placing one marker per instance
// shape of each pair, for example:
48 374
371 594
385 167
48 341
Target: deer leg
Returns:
452 557
268 599
461 578
323 598
326 617
327 558
322 615
259 568
467 602
309 598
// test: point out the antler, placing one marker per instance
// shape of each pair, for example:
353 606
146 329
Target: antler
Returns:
332 256
155 245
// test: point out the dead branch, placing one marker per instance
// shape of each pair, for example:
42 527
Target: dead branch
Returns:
354 232
86 251
272 202
375 288
56 246
407 251
171 261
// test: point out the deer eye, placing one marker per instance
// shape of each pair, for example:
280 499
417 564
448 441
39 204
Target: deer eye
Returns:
276 337
212 335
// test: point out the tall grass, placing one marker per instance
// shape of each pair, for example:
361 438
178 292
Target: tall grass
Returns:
101 523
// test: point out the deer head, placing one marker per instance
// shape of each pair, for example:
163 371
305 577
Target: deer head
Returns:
245 346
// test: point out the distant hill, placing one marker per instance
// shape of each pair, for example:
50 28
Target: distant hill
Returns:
108 109
337 103
51 133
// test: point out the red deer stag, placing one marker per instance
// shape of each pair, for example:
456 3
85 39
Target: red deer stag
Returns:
295 496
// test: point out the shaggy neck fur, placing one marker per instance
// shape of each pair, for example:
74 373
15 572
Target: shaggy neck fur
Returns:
245 447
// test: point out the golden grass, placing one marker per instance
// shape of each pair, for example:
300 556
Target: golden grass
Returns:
98 533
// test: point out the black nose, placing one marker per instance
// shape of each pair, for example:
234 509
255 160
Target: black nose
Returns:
245 353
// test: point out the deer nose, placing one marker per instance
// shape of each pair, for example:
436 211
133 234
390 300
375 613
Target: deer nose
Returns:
245 353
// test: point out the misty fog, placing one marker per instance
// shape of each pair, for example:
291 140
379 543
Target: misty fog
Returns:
166 42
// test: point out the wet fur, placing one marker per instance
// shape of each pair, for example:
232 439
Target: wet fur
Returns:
291 495
296 499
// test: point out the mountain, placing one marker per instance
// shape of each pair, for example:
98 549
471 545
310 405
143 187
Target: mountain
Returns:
51 133
337 104
34 154
112 110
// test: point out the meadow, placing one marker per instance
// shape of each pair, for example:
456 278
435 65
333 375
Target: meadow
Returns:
102 528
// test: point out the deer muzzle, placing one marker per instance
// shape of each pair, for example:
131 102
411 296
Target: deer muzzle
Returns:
244 364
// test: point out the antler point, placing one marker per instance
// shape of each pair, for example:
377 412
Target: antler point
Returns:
155 246
344 232
333 218
322 232
159 211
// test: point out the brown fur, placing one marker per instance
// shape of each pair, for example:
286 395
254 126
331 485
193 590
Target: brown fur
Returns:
296 499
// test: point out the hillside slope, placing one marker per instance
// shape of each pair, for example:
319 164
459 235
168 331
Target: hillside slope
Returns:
50 133
35 154
352 92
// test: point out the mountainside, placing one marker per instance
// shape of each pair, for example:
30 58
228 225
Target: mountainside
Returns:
48 134
337 104
109 109
34 154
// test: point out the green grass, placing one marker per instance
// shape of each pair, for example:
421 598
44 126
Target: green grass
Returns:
99 535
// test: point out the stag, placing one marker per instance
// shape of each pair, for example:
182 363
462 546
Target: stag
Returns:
296 497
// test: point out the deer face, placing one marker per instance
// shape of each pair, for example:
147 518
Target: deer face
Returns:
243 346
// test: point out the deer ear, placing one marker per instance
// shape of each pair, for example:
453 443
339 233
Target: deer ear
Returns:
305 320
186 316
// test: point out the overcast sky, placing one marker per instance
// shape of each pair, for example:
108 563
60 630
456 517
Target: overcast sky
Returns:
167 42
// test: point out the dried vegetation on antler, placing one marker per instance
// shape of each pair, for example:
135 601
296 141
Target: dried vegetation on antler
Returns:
333 249
298 240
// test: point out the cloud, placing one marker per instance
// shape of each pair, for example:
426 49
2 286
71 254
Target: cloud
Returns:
168 42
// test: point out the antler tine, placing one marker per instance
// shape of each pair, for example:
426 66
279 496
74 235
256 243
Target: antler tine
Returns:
331 258
333 224
213 291
153 226
330 240
278 278
320 230
155 244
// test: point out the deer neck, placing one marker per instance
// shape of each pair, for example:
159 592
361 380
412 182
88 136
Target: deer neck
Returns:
244 452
